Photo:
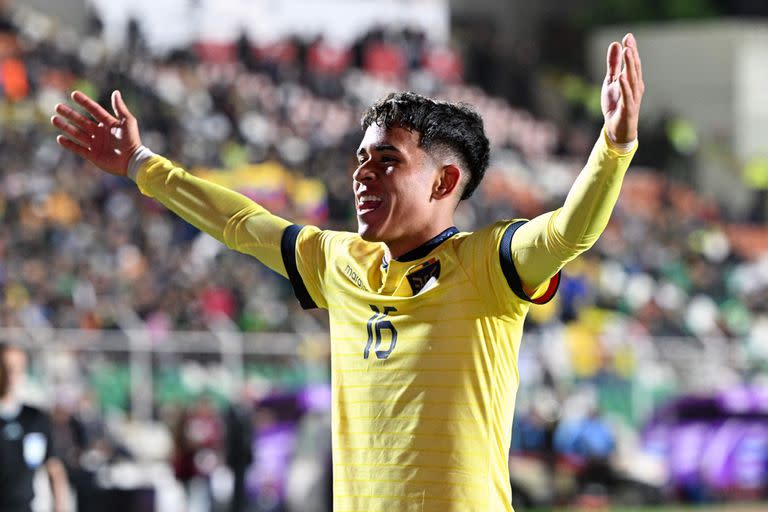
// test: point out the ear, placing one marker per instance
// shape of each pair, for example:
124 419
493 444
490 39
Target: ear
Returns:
447 181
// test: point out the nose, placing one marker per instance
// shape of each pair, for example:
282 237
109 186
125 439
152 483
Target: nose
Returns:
364 172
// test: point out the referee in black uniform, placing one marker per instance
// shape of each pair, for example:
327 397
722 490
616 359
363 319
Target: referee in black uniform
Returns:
25 441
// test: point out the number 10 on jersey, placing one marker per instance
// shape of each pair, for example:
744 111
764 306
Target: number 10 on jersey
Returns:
376 324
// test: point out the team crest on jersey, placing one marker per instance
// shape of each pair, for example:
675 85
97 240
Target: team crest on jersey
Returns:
424 276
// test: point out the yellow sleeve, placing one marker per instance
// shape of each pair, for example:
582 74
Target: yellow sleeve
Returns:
486 258
541 247
307 249
228 216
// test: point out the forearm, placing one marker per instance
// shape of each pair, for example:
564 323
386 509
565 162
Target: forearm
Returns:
228 216
542 246
590 202
57 476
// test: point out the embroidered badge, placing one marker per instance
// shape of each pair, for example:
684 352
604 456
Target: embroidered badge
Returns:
424 276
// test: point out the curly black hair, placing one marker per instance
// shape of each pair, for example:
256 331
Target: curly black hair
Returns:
440 124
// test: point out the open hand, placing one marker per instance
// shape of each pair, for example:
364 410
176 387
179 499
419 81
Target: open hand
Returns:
622 90
105 140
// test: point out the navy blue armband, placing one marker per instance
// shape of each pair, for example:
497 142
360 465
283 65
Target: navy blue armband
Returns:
288 251
510 272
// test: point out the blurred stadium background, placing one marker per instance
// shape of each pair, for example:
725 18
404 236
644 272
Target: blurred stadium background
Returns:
643 383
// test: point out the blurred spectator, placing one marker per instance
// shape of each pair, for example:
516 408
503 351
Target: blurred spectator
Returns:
69 442
26 442
444 63
588 438
755 176
238 421
81 438
326 64
309 486
199 438
385 59
276 419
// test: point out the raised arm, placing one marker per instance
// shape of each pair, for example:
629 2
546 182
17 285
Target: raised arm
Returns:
113 143
542 246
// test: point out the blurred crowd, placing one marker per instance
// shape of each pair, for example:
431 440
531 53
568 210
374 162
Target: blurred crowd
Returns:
280 123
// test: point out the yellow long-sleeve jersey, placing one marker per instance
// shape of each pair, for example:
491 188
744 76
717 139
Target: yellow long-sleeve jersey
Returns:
424 348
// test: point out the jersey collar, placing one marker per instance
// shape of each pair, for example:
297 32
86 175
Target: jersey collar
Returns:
426 247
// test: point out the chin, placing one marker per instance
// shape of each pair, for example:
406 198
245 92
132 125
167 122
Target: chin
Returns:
368 233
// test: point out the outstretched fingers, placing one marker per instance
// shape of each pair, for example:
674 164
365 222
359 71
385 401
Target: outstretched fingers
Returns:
633 70
73 146
613 62
628 78
96 135
627 96
119 106
630 42
623 90
76 118
72 130
93 108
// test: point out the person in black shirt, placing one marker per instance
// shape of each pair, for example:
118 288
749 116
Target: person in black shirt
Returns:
238 424
25 441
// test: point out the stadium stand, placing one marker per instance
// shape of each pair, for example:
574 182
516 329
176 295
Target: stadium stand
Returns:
671 279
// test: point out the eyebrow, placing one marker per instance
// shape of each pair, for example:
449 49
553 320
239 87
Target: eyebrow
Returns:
380 147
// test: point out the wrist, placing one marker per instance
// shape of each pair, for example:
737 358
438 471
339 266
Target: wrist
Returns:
620 147
137 158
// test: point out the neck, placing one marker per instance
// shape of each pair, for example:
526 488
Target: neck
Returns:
396 248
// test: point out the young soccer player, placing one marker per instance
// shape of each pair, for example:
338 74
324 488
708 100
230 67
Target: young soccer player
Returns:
425 321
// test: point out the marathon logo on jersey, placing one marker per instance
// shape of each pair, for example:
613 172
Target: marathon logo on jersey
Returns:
34 449
354 277
424 276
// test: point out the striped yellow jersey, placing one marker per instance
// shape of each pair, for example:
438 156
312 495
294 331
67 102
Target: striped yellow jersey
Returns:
424 365
424 348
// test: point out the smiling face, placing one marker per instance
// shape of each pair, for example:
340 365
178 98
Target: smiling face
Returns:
395 190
